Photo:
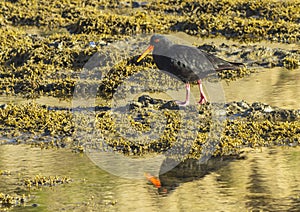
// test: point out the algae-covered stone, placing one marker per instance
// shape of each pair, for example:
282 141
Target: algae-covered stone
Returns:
50 181
8 200
46 45
133 132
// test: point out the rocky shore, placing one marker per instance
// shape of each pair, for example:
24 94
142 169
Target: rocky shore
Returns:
46 45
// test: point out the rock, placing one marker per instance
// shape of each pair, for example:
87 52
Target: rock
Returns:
136 4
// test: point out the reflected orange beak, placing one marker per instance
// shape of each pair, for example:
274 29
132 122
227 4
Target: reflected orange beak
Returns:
154 180
147 51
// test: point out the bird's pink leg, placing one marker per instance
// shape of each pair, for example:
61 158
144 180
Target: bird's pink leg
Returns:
202 95
187 97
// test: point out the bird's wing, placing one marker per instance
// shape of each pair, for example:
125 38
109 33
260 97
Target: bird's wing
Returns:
198 60
190 58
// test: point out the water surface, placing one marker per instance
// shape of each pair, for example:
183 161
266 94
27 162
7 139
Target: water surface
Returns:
277 87
268 179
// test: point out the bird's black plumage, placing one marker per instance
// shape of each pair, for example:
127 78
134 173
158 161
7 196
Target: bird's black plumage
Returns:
186 62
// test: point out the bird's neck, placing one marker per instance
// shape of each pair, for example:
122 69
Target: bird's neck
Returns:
161 51
162 59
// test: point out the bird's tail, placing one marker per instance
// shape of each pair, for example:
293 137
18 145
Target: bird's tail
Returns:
233 66
221 64
226 65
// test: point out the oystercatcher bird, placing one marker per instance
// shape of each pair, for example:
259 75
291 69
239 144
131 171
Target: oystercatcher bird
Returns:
185 62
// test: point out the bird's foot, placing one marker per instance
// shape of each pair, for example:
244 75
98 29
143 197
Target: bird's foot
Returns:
182 104
202 101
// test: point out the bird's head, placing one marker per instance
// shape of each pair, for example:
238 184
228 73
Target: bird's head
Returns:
158 43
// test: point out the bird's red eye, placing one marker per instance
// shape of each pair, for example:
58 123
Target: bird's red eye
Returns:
156 40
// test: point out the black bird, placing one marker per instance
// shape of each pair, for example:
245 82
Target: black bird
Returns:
185 62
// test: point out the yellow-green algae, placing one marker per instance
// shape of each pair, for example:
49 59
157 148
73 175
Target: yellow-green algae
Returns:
39 181
14 200
255 125
5 172
269 19
38 57
8 201
35 118
45 44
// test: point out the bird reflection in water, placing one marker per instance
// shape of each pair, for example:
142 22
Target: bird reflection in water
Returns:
186 171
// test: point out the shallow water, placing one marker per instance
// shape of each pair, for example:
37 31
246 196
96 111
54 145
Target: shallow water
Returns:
276 87
268 179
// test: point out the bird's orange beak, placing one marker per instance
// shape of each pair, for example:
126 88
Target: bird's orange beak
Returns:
147 51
